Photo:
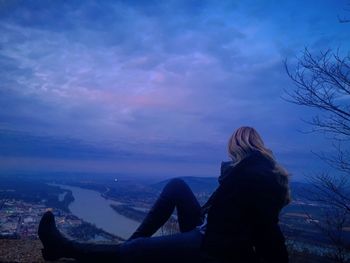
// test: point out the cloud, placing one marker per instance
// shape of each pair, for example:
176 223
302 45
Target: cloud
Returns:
175 77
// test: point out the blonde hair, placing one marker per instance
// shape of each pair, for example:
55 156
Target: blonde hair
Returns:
244 141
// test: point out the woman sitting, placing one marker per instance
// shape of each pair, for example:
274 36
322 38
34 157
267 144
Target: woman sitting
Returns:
239 222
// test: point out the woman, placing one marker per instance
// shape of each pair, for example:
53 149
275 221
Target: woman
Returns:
239 222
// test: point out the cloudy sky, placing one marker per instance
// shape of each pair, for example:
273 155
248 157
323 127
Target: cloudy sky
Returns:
155 88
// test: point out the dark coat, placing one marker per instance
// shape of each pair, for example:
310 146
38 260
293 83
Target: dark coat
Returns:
242 220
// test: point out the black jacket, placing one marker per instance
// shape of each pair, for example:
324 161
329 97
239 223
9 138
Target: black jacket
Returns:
242 220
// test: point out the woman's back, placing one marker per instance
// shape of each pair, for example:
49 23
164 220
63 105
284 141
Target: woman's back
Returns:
243 215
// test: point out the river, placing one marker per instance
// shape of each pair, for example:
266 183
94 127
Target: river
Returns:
90 206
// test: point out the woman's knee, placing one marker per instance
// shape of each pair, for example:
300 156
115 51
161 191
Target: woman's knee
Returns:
177 190
174 187
176 183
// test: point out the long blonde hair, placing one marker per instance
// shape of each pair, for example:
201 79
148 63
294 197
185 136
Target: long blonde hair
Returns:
244 141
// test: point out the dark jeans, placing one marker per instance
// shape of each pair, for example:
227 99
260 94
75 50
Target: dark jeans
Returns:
181 247
176 194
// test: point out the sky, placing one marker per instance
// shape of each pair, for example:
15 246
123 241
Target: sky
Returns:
155 88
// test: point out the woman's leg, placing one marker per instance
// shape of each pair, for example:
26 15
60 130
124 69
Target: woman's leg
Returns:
182 247
175 194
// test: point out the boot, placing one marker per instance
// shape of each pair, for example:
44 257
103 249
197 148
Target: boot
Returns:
56 246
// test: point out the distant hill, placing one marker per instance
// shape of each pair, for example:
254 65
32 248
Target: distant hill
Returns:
197 184
209 184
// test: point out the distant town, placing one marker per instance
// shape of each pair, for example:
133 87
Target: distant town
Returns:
20 220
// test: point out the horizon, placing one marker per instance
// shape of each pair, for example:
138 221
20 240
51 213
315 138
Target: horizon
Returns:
156 89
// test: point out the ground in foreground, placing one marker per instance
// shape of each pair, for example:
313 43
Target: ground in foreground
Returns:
22 250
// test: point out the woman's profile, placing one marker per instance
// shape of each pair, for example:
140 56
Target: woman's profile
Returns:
239 222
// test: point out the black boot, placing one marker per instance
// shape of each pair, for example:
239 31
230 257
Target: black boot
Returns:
57 246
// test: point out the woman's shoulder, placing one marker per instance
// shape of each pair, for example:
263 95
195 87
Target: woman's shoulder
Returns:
255 163
266 176
256 169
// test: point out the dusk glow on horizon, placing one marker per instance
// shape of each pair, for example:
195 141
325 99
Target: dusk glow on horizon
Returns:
155 88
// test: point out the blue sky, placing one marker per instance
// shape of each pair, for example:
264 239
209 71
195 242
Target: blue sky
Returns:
155 88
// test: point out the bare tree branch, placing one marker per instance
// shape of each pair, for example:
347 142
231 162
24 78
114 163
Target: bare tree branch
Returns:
323 82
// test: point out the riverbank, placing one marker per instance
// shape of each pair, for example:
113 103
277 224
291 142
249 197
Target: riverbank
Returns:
129 212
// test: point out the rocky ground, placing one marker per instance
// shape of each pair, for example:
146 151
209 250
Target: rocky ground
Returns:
28 251
13 250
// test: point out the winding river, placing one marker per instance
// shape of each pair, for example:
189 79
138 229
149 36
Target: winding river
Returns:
90 206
